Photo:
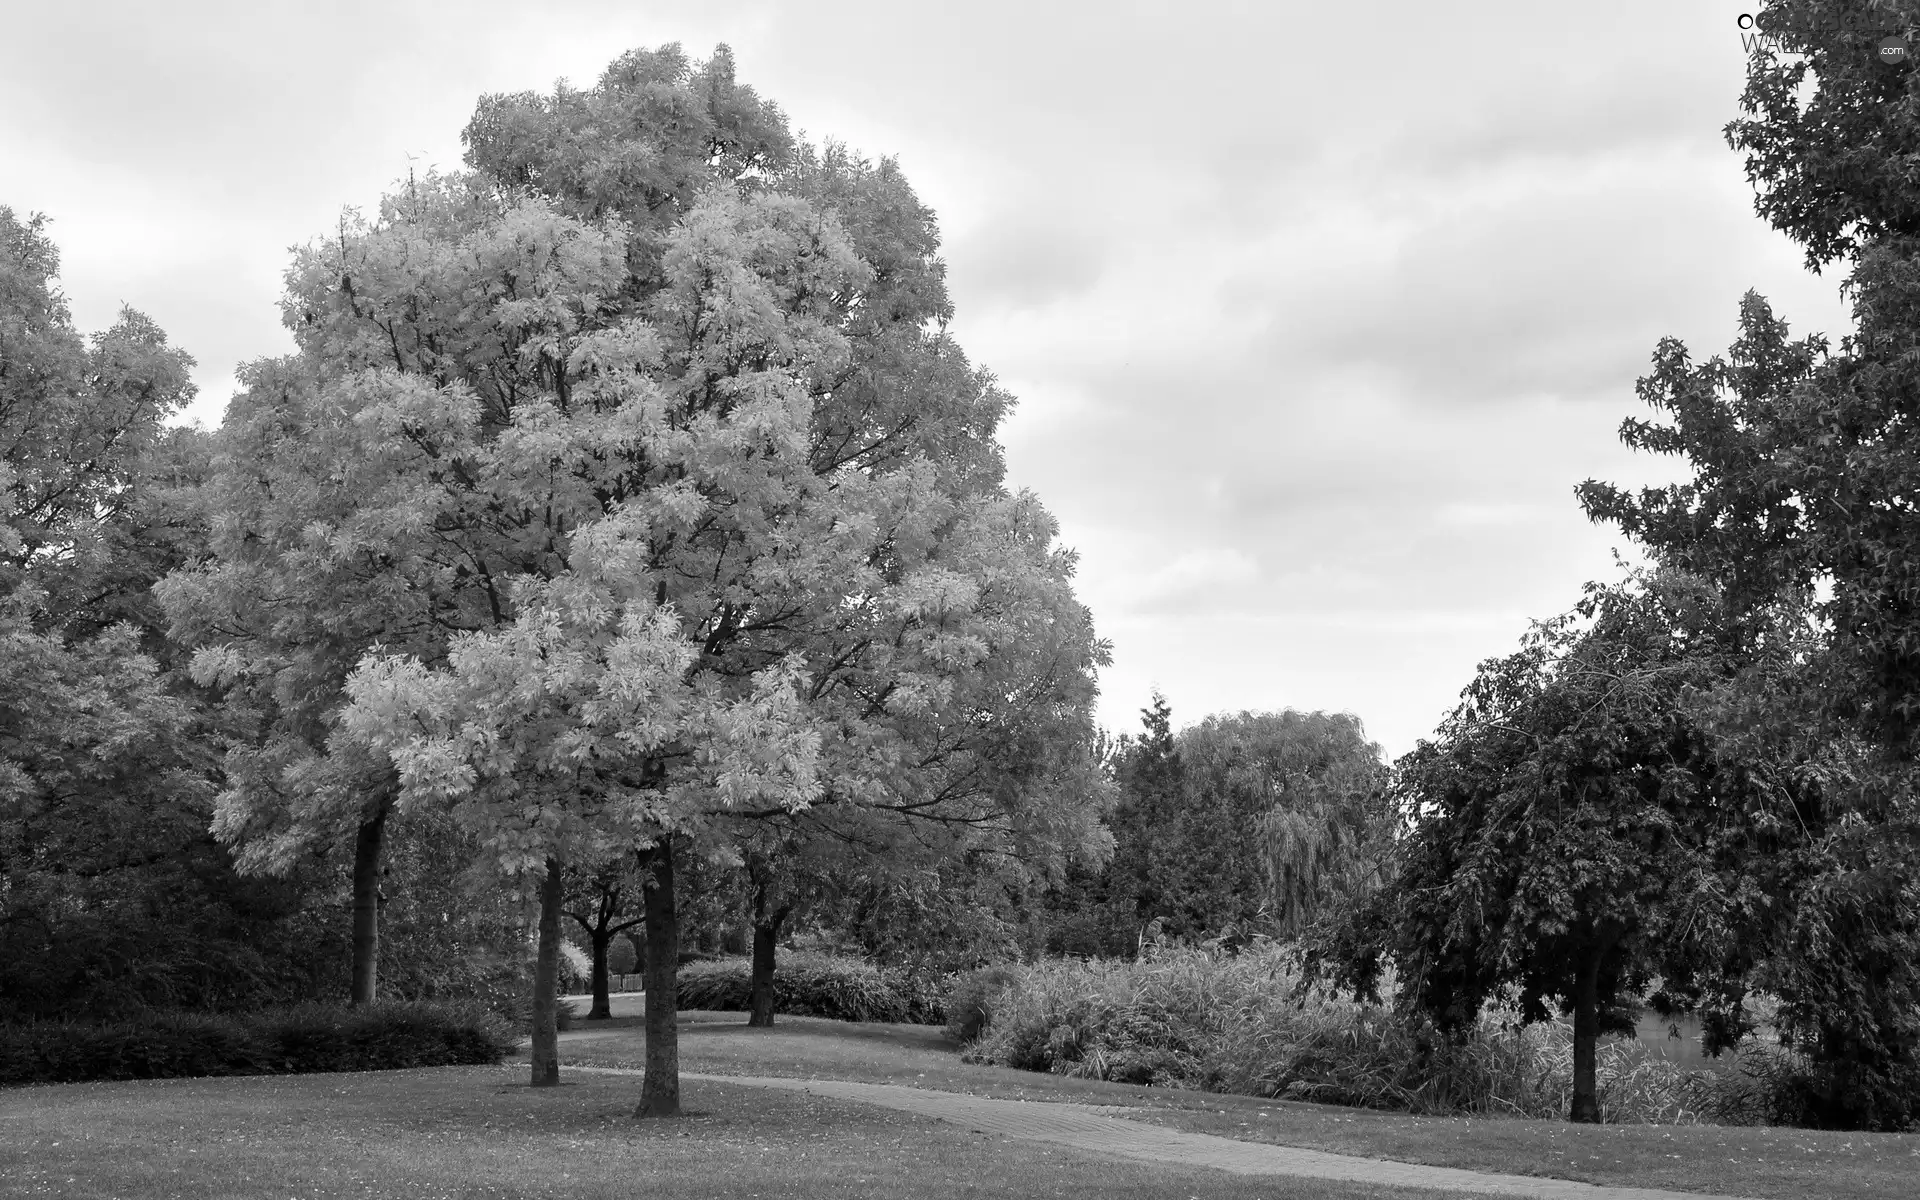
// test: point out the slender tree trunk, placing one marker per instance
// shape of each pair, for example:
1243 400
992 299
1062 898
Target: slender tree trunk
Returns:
764 933
660 1091
368 846
546 983
602 1003
1586 1038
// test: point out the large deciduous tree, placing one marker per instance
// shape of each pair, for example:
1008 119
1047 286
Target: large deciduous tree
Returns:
676 503
331 536
1805 466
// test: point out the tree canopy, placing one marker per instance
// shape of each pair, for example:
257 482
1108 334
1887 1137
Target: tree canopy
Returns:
1570 827
1803 462
626 482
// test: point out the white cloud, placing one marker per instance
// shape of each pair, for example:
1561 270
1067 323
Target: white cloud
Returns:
1313 332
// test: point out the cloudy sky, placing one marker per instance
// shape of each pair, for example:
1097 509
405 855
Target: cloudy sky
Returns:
1316 312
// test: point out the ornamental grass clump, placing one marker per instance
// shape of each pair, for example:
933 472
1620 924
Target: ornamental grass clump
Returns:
1207 1020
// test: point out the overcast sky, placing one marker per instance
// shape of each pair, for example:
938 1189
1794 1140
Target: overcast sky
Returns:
1316 313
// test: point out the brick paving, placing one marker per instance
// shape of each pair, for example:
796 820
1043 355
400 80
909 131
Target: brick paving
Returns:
1083 1128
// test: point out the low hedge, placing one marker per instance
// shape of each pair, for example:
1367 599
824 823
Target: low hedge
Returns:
814 985
297 1040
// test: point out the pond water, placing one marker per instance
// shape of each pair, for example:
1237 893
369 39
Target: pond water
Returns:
1657 1033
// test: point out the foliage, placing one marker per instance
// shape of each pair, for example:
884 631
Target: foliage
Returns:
929 918
1247 1023
303 1038
113 895
1312 787
815 985
1151 871
1828 129
681 512
970 1000
95 490
1242 823
1572 827
1803 467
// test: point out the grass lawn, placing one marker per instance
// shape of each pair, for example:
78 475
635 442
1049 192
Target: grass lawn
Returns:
480 1132
1703 1158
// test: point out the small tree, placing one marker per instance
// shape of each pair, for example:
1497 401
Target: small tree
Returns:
1564 828
781 882
1149 876
602 903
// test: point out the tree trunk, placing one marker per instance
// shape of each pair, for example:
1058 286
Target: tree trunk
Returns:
602 1003
368 845
1586 1038
660 1091
546 983
761 1013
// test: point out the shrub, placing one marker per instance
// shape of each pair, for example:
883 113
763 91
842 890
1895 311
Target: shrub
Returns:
516 1011
296 1040
1198 1018
384 1036
622 958
154 1047
1776 1085
814 985
969 1000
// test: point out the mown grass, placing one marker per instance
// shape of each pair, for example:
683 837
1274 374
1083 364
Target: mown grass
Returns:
468 1133
1746 1161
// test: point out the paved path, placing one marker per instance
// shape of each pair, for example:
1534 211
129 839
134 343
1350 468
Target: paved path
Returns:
1081 1127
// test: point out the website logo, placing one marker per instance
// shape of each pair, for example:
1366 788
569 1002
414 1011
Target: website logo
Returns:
1892 45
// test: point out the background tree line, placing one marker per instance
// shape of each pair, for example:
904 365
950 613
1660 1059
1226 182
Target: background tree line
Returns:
1240 825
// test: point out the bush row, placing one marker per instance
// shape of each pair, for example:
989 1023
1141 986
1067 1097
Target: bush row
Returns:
815 985
295 1040
1201 1019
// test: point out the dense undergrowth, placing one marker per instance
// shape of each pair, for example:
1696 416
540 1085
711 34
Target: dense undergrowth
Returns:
806 984
1202 1019
295 1040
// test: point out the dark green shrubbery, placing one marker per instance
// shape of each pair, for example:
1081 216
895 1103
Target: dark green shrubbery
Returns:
970 1000
814 985
300 1039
